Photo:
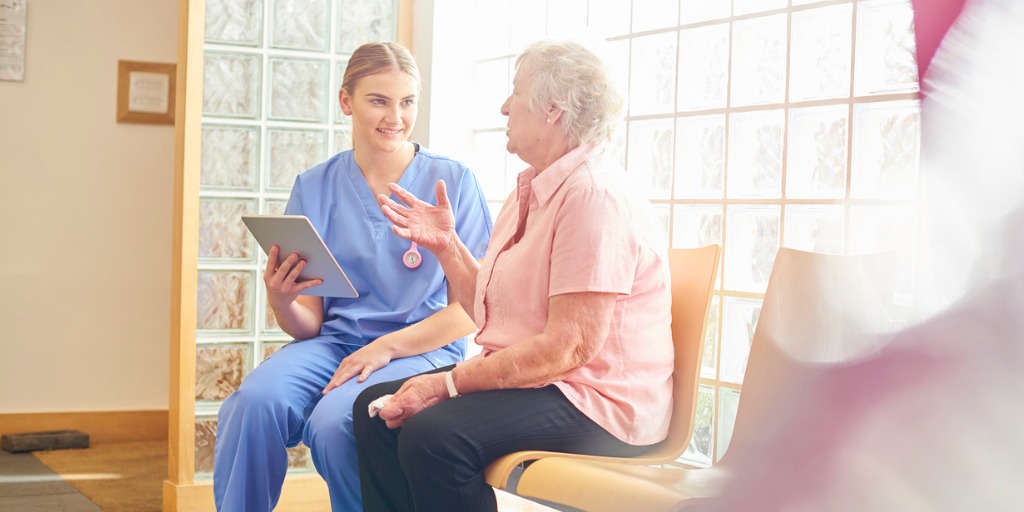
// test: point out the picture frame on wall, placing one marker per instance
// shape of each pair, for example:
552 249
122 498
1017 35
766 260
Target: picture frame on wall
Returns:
145 92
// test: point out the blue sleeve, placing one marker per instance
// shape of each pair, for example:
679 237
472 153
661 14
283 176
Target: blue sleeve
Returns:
294 206
472 216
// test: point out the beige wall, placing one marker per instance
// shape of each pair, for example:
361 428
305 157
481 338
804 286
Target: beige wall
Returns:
85 215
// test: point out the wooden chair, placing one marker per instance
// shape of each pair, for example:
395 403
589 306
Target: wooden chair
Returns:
693 278
817 309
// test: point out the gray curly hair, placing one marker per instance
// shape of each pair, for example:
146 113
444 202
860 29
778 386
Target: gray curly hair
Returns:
570 76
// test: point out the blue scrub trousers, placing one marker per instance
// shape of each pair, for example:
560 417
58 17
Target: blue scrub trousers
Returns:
279 404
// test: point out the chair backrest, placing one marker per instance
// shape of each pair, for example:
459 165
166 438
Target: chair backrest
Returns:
818 309
693 278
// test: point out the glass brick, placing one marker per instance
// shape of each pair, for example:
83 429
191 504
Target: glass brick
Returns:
298 89
225 301
741 7
649 157
488 164
699 450
709 357
697 225
231 85
728 404
271 348
290 152
492 82
755 154
269 318
664 214
700 157
238 22
759 61
222 234
694 11
335 100
274 207
567 18
527 22
365 21
616 58
655 14
609 19
491 28
342 140
885 54
653 72
816 152
739 319
299 24
815 228
299 459
820 53
703 67
220 369
750 246
206 438
230 158
886 150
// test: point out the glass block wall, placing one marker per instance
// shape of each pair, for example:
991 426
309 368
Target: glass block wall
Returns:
755 124
272 70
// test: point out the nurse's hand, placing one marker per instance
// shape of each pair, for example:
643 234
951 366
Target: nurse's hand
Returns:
431 227
280 276
362 362
416 394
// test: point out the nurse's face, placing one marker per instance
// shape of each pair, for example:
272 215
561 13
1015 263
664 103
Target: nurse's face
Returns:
527 130
383 107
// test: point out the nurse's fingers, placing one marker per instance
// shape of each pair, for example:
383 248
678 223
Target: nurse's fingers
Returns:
272 261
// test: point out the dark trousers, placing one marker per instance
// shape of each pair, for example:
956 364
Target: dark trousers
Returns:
436 460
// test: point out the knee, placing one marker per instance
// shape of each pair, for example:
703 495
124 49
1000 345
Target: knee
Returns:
427 442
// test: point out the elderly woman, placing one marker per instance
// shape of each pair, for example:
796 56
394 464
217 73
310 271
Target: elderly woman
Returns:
571 299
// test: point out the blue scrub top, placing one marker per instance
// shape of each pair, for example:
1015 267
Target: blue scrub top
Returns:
339 203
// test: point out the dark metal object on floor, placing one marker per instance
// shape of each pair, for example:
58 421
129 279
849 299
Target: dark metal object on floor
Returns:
51 440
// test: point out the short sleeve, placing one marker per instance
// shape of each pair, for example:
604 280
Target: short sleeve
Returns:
593 247
294 205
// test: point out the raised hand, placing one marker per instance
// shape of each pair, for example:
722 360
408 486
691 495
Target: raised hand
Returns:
431 227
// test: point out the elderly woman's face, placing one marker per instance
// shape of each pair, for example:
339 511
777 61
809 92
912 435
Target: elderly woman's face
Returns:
526 129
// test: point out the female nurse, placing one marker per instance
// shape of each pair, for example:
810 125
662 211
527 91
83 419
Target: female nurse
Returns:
405 321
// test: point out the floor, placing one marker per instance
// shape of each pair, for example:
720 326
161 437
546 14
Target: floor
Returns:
28 485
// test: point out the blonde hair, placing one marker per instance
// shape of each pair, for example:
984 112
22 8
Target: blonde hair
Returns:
372 58
570 76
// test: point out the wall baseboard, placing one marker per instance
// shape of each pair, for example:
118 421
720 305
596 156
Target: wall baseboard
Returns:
102 426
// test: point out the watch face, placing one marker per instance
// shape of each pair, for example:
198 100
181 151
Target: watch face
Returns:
411 259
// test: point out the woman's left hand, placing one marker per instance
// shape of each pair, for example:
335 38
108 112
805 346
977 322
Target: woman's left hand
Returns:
416 394
362 362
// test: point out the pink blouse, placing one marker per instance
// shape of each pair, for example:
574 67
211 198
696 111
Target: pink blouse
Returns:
581 231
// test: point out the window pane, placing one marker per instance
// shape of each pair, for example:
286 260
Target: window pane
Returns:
755 154
759 61
222 235
709 357
567 17
738 321
492 29
697 225
886 228
886 149
692 11
298 89
728 404
225 301
650 156
364 21
493 88
528 22
699 450
299 24
700 157
749 6
220 368
339 116
230 157
820 62
234 22
816 152
290 152
654 14
703 67
653 75
609 19
231 85
815 228
885 48
489 163
750 246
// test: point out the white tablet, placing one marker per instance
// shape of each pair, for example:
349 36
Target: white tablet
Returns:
294 233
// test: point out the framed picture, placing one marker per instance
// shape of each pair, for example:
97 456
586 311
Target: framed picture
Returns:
145 92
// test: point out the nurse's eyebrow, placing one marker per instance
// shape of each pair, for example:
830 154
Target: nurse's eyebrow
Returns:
384 97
